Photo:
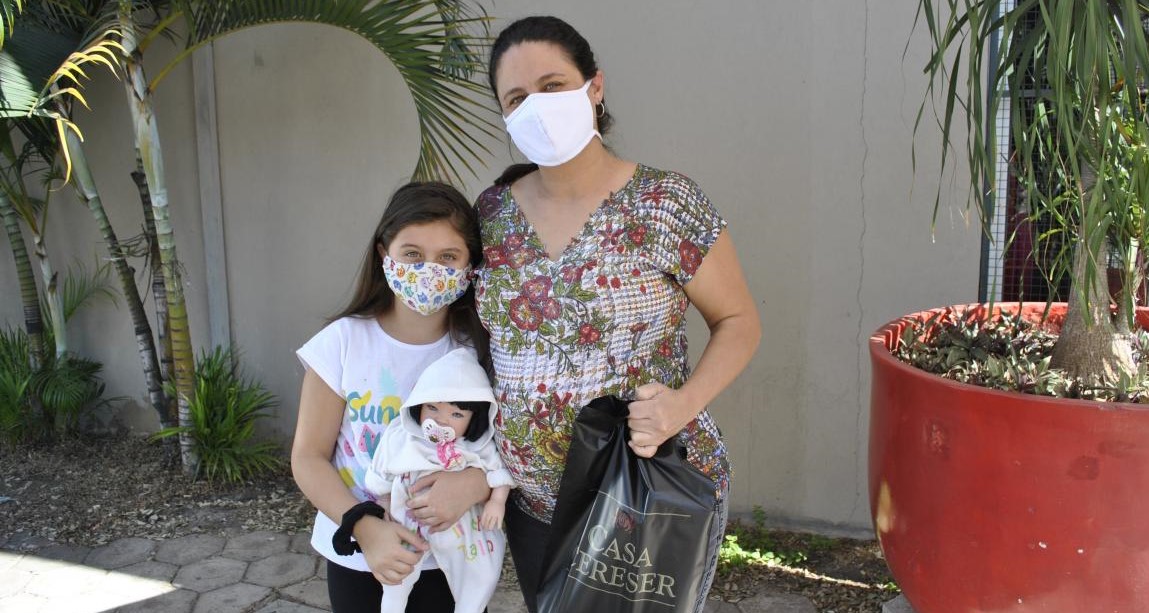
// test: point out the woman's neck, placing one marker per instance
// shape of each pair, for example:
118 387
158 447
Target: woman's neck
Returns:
407 326
583 176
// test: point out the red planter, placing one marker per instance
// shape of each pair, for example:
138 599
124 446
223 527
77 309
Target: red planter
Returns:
992 501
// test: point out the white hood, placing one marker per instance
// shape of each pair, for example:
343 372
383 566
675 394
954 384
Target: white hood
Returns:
453 377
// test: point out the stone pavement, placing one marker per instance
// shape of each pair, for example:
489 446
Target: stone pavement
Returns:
257 572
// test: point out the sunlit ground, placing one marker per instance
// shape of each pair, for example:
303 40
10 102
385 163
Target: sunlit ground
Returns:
29 584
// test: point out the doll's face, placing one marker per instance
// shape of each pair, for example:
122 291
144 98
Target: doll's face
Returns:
447 415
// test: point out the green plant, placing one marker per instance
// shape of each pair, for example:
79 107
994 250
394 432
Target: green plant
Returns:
67 386
752 544
1079 148
49 392
223 413
1009 353
53 42
13 406
732 553
15 376
48 398
751 553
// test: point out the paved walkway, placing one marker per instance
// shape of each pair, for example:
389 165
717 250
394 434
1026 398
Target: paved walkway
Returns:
258 572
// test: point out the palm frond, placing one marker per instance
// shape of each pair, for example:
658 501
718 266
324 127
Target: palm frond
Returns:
9 9
42 70
14 352
27 63
69 386
432 43
1085 65
83 288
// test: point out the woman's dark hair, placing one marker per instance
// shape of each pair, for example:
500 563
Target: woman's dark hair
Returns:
480 418
420 203
544 29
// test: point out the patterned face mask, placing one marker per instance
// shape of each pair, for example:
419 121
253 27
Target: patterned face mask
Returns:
426 287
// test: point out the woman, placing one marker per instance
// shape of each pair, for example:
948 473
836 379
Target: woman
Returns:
590 264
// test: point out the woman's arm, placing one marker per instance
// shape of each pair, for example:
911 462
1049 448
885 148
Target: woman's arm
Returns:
719 291
316 430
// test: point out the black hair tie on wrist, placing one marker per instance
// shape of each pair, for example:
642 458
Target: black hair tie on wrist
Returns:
341 541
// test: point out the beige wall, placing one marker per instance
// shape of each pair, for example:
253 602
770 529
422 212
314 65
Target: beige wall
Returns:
796 118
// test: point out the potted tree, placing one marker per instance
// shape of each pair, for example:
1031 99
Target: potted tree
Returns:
992 500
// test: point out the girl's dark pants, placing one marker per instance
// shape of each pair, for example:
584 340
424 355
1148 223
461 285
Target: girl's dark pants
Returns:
354 591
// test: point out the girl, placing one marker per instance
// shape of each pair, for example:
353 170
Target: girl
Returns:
359 368
591 262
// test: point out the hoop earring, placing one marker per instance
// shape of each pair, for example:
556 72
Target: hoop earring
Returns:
600 109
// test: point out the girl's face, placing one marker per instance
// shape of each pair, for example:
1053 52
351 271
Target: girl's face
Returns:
532 67
446 415
437 241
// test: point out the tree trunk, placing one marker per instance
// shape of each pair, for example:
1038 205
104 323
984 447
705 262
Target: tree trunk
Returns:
148 147
50 278
29 296
156 272
1090 346
145 343
1133 262
55 301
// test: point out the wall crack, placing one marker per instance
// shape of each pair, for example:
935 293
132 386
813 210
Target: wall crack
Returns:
859 464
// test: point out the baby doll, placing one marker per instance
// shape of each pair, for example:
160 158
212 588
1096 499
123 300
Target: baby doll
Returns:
447 423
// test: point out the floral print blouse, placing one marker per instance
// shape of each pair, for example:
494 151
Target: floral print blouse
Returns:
605 317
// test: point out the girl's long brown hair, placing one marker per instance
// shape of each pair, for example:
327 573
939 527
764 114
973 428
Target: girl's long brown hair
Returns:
420 203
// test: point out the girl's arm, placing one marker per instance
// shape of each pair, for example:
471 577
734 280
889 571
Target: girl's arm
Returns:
443 497
449 494
719 292
316 430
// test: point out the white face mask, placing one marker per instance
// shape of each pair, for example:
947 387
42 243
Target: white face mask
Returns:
426 287
551 128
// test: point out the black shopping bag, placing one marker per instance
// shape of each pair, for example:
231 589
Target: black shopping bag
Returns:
629 534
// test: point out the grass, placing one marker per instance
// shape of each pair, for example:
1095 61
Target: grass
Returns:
837 574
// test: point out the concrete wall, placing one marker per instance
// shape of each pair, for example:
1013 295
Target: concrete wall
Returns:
796 118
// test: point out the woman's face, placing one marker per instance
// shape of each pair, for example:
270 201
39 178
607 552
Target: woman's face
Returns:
437 241
534 67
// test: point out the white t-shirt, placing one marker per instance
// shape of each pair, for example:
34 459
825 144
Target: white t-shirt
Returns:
373 373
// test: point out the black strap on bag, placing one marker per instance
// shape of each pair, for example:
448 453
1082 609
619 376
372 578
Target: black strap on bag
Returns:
629 534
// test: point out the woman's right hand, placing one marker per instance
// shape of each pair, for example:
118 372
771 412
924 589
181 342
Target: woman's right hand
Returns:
391 550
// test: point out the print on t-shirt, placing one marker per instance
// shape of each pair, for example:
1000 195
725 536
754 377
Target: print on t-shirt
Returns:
368 413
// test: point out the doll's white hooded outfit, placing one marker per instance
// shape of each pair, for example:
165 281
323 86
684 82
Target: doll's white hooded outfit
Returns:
471 558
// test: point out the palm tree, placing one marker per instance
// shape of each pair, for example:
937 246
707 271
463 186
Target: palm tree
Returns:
1079 147
429 41
29 293
145 344
33 325
50 52
33 161
425 39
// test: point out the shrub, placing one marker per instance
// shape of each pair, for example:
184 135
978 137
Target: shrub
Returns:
15 375
223 416
1011 354
52 398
